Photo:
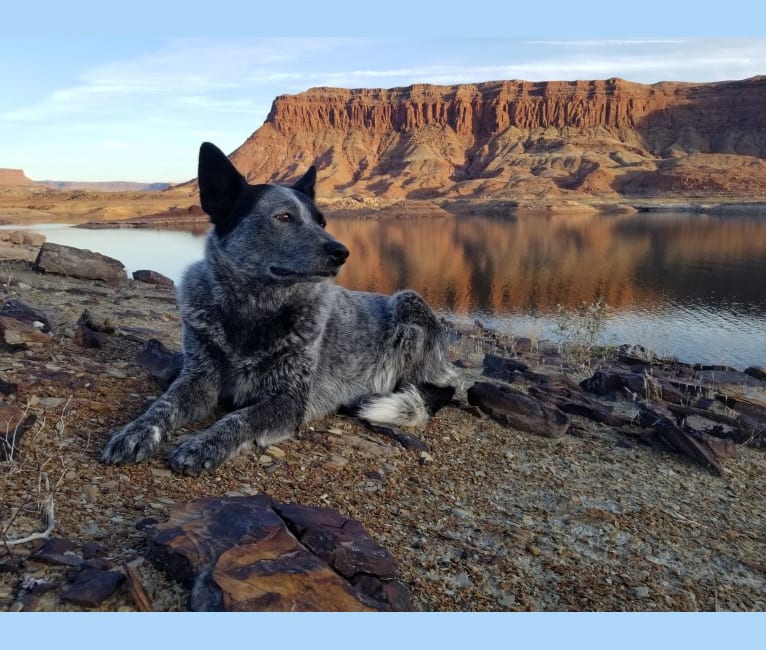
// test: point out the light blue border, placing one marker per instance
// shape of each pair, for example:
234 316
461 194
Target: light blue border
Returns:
498 18
400 18
384 631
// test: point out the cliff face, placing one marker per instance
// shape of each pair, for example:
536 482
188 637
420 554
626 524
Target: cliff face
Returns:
518 139
14 178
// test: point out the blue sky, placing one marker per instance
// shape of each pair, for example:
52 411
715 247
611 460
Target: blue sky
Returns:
117 107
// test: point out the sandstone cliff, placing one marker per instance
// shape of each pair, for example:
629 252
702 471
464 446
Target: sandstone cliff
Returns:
519 140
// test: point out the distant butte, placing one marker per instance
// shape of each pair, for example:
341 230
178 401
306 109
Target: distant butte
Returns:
607 139
14 178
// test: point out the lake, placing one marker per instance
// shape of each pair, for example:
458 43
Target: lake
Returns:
684 284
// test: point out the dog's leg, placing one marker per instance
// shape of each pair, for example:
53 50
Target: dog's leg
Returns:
191 396
267 421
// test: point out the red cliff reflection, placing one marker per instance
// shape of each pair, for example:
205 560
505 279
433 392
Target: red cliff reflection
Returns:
535 262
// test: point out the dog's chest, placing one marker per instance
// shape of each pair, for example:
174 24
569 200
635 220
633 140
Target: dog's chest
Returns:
264 355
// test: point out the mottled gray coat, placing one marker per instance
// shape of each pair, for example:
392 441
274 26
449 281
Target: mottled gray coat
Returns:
267 333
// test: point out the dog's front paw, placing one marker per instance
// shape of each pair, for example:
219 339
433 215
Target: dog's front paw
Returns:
195 456
132 444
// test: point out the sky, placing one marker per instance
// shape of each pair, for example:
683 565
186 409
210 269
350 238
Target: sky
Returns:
135 107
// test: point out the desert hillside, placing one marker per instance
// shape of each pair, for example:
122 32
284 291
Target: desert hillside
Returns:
519 139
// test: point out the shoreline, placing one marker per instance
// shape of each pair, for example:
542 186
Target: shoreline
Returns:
403 210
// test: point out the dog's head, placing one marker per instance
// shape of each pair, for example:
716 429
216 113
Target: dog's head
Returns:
271 232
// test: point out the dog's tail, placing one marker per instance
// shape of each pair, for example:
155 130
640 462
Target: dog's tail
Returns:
410 406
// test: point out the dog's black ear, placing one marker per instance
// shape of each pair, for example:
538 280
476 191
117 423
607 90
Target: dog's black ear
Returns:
220 185
306 183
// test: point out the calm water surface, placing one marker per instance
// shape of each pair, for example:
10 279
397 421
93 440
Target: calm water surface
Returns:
689 285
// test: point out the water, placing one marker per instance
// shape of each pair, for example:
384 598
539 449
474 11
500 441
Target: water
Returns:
689 285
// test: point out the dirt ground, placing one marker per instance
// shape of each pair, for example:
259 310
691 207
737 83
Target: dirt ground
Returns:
491 519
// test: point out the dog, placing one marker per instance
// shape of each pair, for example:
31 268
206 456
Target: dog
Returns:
267 333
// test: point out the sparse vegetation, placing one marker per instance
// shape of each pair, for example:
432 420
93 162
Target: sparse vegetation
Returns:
579 331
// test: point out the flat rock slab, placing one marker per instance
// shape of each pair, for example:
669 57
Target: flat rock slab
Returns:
80 263
252 554
514 409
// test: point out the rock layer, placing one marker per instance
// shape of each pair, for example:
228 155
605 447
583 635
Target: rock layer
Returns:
506 138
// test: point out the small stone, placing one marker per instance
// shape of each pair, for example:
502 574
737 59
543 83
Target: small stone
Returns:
162 364
425 458
97 322
533 550
117 374
91 491
53 402
88 338
91 550
275 452
640 592
462 580
146 522
93 586
507 600
265 459
460 513
336 462
57 551
94 532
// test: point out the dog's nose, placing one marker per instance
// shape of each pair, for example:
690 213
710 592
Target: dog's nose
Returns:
337 251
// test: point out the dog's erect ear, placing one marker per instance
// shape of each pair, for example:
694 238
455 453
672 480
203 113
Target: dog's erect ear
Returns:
306 183
220 185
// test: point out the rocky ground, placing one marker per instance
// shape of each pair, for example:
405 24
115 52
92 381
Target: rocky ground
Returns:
489 517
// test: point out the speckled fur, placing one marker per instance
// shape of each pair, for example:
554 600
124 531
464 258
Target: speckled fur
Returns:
266 332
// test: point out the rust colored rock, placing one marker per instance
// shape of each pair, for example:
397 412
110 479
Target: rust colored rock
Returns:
240 554
79 263
17 334
514 409
153 277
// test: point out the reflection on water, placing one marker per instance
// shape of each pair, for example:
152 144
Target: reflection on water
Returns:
685 284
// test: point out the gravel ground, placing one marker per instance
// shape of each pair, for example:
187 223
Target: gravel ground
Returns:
489 519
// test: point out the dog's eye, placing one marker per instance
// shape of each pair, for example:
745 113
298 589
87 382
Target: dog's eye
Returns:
284 217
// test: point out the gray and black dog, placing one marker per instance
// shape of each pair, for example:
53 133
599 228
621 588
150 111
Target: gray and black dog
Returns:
266 333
